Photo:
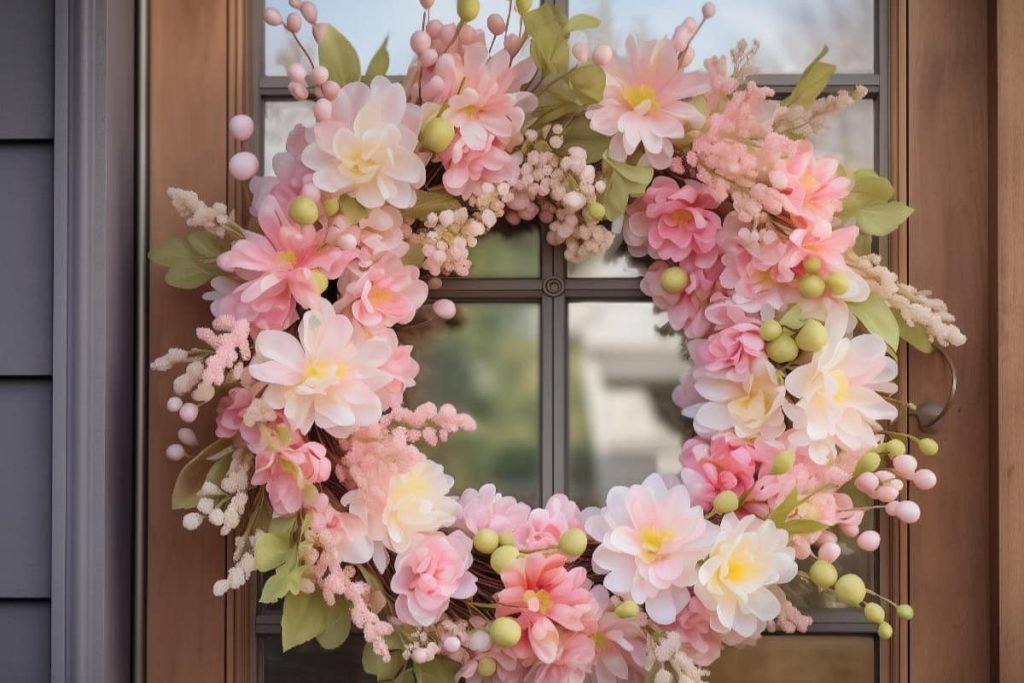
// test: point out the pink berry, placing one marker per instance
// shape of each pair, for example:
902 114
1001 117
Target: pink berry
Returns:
419 655
827 537
348 242
309 12
434 283
272 17
908 511
319 75
330 89
905 465
175 451
581 52
189 412
426 4
467 35
295 3
322 110
298 91
690 24
708 10
187 436
681 38
866 483
434 28
513 43
294 22
297 73
829 552
886 494
849 530
925 479
869 541
452 644
444 309
174 404
429 57
603 55
420 41
243 166
496 24
891 507
241 127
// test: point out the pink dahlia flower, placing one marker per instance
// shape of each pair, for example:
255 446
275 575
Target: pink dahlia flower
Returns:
487 509
403 369
701 642
290 174
377 235
812 192
429 574
288 473
674 223
731 351
651 539
544 526
341 534
726 463
685 309
572 662
546 599
467 169
387 294
644 101
620 644
367 149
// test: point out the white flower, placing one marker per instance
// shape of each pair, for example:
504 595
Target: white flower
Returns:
838 393
751 406
749 557
418 503
651 541
329 375
367 148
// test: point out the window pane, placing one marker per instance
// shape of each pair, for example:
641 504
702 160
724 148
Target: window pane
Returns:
791 32
279 118
849 659
851 137
310 663
365 24
616 262
486 363
622 422
507 251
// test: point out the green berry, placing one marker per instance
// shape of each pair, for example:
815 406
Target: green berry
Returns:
318 279
771 330
523 6
486 667
627 609
812 264
573 542
838 283
468 10
823 574
303 211
874 613
895 447
437 134
850 590
597 210
505 632
811 287
783 462
506 538
905 612
674 279
885 630
783 350
485 541
928 446
869 462
331 206
503 557
353 210
726 502
812 336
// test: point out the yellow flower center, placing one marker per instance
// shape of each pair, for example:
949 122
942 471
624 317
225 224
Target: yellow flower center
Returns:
809 183
320 371
642 97
379 296
287 257
541 597
842 385
682 217
652 541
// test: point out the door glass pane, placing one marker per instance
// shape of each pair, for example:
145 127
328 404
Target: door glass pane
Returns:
310 663
851 137
845 659
616 262
791 32
486 362
622 422
507 251
279 118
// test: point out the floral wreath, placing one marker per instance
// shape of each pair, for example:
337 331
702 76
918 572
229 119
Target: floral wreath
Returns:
751 241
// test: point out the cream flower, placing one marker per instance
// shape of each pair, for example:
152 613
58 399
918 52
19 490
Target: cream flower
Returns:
418 503
367 148
328 376
749 558
838 401
750 406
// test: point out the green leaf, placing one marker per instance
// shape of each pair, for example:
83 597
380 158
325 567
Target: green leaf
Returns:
339 625
813 80
379 63
881 219
793 318
303 619
877 318
191 263
624 181
338 55
582 22
578 133
549 42
868 189
188 276
803 526
374 665
785 508
438 670
587 81
271 551
185 494
285 581
915 336
282 526
206 245
428 202
170 252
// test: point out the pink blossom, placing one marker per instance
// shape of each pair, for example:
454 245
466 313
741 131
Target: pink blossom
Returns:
375 236
701 642
230 410
546 599
488 509
341 534
685 309
290 175
429 574
388 293
544 526
287 474
756 266
725 463
644 101
572 662
620 644
287 264
731 351
674 223
812 192
467 169
403 370
437 82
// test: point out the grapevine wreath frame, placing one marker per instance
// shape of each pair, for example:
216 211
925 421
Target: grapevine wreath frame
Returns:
750 240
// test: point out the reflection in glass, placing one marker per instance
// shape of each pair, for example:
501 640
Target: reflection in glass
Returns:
486 363
365 24
616 262
279 118
507 251
310 663
843 659
791 32
622 422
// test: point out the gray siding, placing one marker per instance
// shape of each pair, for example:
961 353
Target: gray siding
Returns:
26 332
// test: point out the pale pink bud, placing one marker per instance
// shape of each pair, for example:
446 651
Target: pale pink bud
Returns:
708 10
904 465
866 483
241 127
829 551
496 24
297 73
434 28
891 507
294 22
295 3
467 34
908 511
925 479
330 89
318 31
189 412
681 38
174 404
308 10
298 91
513 43
426 4
319 75
434 283
603 55
428 57
272 17
175 451
452 644
868 541
690 24
420 41
322 110
444 309
581 52
420 655
242 166
187 437
886 494
348 242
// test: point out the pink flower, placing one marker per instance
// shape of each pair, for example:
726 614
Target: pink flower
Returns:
644 101
488 509
757 266
290 175
571 663
403 369
731 351
467 169
388 293
651 539
439 81
726 463
287 264
701 642
544 526
620 644
812 192
230 410
288 473
429 574
375 236
545 598
674 223
341 534
685 309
